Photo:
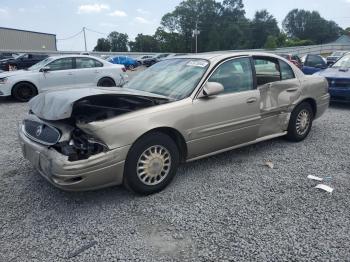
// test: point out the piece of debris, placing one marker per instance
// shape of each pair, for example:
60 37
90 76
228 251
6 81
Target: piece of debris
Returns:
325 188
315 178
269 164
81 249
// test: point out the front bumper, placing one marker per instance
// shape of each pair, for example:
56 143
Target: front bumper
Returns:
339 94
5 89
102 170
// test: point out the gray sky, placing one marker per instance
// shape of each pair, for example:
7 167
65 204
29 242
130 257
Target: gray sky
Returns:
67 17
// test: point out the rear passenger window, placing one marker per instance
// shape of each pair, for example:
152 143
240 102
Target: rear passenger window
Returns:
267 71
235 75
286 71
83 62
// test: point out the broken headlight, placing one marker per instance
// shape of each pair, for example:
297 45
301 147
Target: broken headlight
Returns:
81 146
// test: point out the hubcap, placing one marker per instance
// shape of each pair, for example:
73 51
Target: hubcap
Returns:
303 122
25 92
153 165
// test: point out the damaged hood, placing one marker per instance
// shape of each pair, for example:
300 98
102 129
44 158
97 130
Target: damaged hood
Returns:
58 105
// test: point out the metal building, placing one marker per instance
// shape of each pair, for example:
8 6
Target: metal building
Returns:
22 40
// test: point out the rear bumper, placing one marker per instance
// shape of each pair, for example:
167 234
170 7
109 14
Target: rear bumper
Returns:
102 170
322 105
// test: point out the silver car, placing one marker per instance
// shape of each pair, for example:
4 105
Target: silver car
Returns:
181 109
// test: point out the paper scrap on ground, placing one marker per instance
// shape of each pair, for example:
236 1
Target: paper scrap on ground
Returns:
269 164
314 178
325 188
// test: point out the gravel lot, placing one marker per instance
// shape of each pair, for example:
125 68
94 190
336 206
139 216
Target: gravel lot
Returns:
227 207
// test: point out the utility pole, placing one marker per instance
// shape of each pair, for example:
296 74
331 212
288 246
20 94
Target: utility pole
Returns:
196 32
85 39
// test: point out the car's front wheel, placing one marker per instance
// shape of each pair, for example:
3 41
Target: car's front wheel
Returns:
300 122
24 91
151 163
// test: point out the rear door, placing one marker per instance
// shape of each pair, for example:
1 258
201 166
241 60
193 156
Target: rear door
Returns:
61 74
230 118
278 88
87 70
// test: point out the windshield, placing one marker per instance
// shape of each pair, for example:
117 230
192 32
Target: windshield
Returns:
41 64
343 62
173 78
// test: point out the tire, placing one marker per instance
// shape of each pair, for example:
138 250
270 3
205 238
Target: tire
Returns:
150 175
24 91
300 122
131 67
106 82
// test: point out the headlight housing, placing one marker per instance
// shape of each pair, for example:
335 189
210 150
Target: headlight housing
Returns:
3 80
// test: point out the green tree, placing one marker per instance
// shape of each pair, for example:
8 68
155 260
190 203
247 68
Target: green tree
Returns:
262 26
308 25
271 42
144 43
119 41
170 41
103 45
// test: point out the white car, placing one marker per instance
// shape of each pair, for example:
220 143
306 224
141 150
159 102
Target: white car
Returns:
61 72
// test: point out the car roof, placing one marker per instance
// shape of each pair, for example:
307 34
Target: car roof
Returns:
215 56
67 56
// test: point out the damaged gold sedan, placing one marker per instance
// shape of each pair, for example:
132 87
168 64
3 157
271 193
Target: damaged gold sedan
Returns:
179 110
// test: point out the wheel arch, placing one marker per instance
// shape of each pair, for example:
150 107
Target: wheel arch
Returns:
105 77
24 81
311 101
175 135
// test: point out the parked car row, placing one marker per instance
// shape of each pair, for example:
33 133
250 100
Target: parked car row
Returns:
61 72
335 68
22 61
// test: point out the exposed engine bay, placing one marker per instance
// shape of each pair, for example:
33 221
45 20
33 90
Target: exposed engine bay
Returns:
77 144
100 107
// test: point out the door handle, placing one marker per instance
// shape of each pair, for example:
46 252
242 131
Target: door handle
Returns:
251 100
293 89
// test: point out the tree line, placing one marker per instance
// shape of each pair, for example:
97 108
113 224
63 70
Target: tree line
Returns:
224 26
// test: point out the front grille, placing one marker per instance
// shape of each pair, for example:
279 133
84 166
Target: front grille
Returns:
41 133
340 83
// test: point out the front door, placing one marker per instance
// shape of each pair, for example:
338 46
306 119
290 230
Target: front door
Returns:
230 118
59 75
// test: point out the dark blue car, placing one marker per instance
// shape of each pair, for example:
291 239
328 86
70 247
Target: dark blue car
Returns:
313 64
338 77
127 61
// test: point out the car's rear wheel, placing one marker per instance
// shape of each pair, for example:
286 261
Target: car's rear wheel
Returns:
106 82
24 91
300 122
151 164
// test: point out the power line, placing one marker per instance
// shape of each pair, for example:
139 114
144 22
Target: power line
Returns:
75 35
94 31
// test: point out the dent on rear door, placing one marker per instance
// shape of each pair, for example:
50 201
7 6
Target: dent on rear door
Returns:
277 99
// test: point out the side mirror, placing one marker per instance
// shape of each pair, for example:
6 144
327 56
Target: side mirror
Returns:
45 69
212 89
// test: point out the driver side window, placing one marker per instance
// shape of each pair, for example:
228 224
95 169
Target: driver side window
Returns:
235 75
61 64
